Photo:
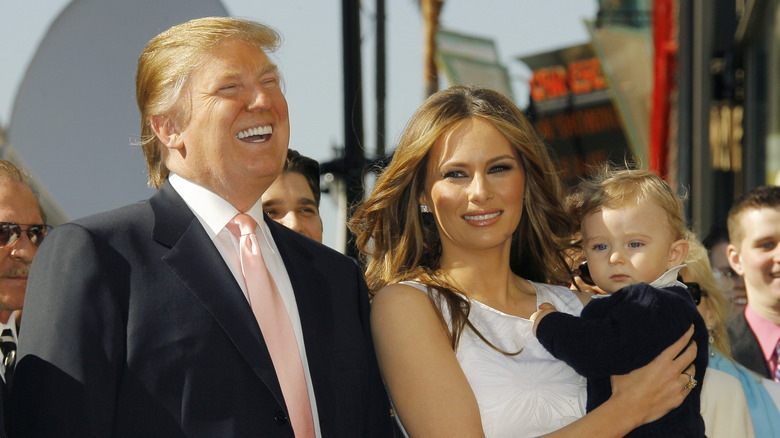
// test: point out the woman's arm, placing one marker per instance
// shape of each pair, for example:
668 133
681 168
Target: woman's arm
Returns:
429 390
642 396
433 398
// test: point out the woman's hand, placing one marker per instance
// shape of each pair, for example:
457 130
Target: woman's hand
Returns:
660 386
544 310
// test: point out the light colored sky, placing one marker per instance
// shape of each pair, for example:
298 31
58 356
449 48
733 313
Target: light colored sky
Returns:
310 59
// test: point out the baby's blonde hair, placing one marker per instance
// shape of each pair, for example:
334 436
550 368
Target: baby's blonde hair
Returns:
611 187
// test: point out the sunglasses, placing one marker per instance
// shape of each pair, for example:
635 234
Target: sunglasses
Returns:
696 291
10 233
583 272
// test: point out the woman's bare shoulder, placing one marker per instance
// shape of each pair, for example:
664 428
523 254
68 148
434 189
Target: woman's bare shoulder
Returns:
400 294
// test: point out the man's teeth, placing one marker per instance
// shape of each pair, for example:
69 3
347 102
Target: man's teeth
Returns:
482 217
260 130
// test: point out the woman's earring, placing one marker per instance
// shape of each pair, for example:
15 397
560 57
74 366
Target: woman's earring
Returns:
711 341
424 208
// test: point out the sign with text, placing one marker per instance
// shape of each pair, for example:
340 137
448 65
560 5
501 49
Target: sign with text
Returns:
572 110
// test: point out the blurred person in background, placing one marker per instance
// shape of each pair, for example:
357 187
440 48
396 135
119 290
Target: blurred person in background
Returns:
735 402
717 242
293 199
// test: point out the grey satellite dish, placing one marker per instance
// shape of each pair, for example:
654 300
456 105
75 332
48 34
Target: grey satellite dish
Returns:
74 119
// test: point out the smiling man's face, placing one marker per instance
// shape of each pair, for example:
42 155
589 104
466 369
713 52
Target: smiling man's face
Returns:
19 206
235 141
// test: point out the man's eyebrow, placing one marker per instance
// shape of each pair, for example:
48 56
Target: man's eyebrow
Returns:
236 73
307 201
272 202
270 68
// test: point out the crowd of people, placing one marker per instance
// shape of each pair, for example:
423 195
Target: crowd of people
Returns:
490 302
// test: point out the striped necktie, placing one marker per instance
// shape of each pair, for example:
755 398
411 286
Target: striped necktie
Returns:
777 362
8 347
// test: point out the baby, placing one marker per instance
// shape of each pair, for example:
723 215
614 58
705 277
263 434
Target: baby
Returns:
634 239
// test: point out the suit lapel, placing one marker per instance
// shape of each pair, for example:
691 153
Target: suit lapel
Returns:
198 264
745 347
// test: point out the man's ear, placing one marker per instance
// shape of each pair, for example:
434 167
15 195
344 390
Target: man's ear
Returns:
165 129
677 253
735 261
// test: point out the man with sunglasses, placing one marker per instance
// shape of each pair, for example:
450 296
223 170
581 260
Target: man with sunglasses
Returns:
21 231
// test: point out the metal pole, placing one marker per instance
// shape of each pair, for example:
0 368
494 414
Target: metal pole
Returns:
354 158
702 209
685 81
380 78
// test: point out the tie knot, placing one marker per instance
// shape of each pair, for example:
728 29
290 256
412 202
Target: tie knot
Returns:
7 341
242 224
8 347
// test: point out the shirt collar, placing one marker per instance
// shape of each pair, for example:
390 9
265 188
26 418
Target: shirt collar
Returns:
10 324
669 278
213 211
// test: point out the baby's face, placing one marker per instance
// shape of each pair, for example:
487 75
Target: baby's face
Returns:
627 245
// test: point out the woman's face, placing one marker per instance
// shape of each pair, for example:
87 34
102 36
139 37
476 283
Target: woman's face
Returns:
731 282
474 187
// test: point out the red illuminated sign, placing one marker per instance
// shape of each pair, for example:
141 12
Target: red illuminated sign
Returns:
579 77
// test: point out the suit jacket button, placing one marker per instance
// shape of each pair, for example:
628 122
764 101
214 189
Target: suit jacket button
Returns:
280 418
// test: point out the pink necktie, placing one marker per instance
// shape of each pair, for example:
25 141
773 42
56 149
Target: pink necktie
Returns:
275 325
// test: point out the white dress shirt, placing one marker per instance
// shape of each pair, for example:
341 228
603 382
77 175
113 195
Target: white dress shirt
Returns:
214 213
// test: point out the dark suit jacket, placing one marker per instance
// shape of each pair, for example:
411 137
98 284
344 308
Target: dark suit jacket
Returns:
134 326
745 347
3 395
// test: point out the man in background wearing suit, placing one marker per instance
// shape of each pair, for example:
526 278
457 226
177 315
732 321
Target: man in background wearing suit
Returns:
293 199
754 253
149 321
22 229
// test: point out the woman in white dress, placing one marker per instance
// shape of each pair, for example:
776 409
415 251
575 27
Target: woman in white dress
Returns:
462 234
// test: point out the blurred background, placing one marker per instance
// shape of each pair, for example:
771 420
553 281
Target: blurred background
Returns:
687 88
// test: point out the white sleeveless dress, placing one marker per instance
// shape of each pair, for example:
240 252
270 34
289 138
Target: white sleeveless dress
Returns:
528 394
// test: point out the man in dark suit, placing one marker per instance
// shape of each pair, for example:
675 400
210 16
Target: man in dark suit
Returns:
22 229
293 199
138 321
754 253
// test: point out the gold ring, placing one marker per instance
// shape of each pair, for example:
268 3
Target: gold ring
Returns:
692 382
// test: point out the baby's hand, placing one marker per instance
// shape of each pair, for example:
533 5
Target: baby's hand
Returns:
544 310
